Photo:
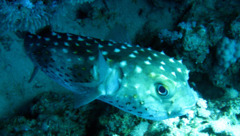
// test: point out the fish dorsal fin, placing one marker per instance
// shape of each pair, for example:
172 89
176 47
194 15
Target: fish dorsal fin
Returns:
87 92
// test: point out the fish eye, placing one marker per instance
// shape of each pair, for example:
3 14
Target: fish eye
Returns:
161 90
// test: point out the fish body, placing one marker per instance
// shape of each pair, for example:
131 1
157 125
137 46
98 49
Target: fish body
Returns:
137 80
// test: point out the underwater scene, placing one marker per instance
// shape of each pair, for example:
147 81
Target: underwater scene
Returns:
119 68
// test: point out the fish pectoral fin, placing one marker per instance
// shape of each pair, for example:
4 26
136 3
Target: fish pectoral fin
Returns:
86 97
89 91
101 67
112 82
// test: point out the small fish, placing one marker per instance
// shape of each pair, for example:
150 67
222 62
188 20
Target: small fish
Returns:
137 80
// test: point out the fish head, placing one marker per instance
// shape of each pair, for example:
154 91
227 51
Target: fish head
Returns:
156 87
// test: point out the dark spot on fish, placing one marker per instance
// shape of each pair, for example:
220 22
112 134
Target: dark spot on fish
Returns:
150 115
120 106
70 80
70 68
110 101
128 103
50 65
139 112
129 110
45 60
117 101
52 60
57 69
146 109
67 75
75 76
134 107
60 75
66 80
61 67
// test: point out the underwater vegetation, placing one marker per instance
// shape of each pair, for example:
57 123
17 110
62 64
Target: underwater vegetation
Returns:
203 34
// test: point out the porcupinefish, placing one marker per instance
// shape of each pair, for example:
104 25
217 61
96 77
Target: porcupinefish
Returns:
137 80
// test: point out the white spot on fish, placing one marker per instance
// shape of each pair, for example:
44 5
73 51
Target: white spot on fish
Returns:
30 36
149 58
69 60
162 53
179 70
79 59
100 46
112 41
161 67
47 39
128 45
69 39
162 76
137 86
76 44
163 63
89 51
137 46
91 58
173 73
123 63
142 49
138 69
171 60
55 43
80 39
88 44
125 85
149 49
104 52
155 55
39 37
123 47
117 50
65 50
110 44
59 36
135 51
69 35
66 44
95 41
152 74
54 34
147 62
132 56
180 61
